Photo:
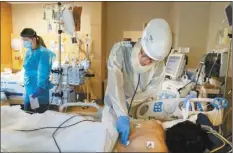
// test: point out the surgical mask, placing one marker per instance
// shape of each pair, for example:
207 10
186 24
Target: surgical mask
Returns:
137 67
27 44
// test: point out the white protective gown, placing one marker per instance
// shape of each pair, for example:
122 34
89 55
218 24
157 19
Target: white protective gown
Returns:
122 80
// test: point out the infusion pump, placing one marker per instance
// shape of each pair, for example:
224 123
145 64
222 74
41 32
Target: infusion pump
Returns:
67 76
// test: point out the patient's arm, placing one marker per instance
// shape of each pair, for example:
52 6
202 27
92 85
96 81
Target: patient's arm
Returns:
149 130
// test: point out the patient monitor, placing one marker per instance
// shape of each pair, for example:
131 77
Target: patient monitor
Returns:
175 66
176 83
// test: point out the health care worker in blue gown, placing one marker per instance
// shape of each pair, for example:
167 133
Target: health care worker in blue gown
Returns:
37 65
128 63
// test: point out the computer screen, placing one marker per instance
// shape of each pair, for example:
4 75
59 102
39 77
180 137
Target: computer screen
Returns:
173 63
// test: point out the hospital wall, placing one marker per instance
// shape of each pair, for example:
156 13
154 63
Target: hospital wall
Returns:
130 16
189 22
6 30
195 25
31 15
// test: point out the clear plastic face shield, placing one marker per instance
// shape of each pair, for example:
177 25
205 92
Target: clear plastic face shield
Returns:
144 59
156 39
141 63
154 46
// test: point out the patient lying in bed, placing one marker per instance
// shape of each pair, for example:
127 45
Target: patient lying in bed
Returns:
145 136
150 136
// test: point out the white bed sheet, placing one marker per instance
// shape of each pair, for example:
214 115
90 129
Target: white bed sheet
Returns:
83 137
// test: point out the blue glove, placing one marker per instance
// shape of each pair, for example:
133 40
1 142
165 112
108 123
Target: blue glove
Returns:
38 92
123 127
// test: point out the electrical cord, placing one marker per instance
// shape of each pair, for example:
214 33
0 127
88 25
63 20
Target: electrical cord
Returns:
197 69
224 140
49 127
53 135
199 72
135 91
184 86
69 126
218 148
57 128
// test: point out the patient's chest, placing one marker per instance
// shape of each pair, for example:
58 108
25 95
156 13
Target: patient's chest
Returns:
145 136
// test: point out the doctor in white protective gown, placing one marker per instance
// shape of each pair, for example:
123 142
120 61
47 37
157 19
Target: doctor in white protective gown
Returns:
140 65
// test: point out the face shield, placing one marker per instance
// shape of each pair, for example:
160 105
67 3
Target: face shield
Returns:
137 67
156 39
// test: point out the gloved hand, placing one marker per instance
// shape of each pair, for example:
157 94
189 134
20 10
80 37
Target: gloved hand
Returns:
38 92
123 127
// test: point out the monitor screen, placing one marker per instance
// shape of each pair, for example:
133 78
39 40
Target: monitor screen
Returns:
228 12
172 64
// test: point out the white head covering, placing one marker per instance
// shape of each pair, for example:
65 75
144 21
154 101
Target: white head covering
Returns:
157 39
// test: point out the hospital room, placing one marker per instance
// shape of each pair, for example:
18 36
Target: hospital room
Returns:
116 76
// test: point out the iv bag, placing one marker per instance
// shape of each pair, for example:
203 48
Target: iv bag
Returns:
68 20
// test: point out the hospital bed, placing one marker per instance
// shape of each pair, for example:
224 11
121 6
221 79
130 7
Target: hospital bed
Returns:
12 86
22 132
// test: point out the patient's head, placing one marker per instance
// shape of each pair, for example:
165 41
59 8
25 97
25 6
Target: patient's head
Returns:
187 137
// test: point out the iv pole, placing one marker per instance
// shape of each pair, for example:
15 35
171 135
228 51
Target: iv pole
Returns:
59 93
228 63
59 34
59 54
